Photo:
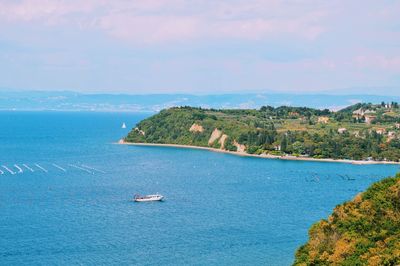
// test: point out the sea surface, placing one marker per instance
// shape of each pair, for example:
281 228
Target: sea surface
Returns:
220 209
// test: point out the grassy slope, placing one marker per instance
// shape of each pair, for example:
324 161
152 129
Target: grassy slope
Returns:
364 231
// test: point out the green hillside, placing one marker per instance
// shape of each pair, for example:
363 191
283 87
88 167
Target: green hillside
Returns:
359 132
364 231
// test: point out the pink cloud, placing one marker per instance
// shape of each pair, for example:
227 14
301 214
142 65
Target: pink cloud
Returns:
149 29
159 21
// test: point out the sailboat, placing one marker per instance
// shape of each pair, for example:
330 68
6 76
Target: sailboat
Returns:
123 125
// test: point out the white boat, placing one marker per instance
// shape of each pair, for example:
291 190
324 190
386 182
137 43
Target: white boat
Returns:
155 197
123 125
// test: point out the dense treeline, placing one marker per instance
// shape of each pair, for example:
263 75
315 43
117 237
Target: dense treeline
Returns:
278 131
326 145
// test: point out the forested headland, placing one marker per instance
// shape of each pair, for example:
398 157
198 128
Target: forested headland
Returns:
362 131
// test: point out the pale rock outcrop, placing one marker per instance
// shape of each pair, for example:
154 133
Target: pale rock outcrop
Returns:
239 147
216 134
140 131
196 128
222 140
323 119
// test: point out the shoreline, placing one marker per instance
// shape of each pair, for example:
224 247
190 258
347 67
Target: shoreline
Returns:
263 156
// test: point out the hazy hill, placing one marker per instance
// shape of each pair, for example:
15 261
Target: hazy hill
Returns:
72 101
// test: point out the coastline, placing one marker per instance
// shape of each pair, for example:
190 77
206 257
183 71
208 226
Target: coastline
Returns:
263 156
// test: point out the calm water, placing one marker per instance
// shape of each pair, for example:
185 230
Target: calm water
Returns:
220 209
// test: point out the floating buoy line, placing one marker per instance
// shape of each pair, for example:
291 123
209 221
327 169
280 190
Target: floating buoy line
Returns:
20 171
27 167
91 168
81 168
41 168
24 168
59 167
8 170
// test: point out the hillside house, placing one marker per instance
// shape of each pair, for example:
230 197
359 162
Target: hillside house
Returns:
360 113
369 118
391 136
380 131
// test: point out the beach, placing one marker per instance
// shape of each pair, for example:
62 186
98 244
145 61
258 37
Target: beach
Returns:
264 156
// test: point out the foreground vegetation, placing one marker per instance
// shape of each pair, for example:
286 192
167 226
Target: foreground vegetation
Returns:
364 231
359 132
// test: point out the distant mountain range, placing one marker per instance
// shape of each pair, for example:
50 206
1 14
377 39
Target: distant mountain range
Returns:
73 101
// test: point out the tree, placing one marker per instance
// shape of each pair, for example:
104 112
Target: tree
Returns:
284 143
298 147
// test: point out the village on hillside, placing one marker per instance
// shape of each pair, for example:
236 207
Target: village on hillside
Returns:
382 119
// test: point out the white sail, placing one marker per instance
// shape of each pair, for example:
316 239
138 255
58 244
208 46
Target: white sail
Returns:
123 125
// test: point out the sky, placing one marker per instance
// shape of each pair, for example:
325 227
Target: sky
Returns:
201 46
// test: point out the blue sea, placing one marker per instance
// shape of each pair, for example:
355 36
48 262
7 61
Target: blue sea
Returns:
65 198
